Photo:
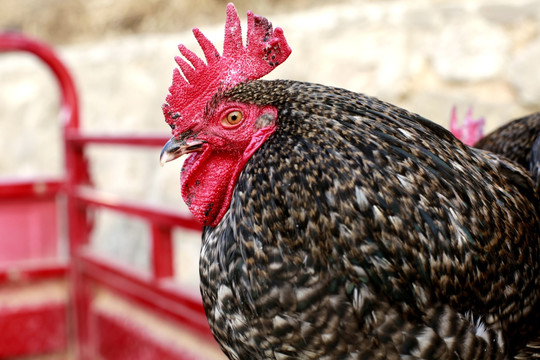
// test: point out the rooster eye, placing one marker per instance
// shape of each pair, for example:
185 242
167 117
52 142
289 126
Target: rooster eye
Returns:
232 118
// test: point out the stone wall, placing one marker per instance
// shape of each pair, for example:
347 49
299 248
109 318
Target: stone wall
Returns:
426 56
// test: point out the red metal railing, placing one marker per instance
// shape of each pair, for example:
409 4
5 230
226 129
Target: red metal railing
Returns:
155 291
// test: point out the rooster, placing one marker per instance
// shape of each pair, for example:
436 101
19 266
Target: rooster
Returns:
338 226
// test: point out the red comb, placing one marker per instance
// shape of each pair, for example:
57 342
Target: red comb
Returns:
265 49
470 131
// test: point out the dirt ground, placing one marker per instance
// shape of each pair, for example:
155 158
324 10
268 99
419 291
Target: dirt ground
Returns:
70 21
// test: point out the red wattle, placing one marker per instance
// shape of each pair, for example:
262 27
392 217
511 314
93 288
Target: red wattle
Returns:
208 179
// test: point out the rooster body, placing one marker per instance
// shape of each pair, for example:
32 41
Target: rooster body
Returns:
338 226
363 231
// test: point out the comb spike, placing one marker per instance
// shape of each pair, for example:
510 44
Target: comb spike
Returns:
188 71
191 57
232 45
257 31
250 26
210 52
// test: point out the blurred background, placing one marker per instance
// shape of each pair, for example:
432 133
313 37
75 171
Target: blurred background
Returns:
425 56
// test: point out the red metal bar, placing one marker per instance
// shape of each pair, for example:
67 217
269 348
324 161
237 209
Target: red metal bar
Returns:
81 297
77 139
35 270
153 214
162 252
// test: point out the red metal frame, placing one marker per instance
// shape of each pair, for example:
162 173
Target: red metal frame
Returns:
155 291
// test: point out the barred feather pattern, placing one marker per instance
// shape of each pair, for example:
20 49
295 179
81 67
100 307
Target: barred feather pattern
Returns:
362 231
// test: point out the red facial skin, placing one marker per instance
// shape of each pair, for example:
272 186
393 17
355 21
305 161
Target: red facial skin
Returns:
209 175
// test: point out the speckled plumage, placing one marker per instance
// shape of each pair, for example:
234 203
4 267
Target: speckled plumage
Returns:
519 140
362 231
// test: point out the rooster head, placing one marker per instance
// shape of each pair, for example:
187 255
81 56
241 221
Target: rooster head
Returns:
220 135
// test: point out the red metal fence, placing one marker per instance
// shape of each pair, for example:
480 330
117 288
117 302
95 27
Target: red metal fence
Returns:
69 315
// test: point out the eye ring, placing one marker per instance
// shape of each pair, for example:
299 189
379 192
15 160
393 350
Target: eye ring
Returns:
232 118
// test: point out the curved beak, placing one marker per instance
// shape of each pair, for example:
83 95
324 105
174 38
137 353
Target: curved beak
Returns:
174 148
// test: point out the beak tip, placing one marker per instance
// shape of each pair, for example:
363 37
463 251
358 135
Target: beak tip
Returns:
164 158
165 155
